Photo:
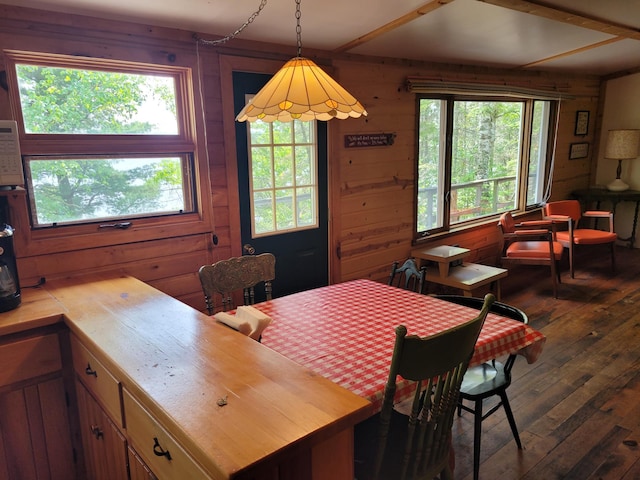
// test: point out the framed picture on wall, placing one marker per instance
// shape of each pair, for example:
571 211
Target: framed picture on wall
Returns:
578 150
582 122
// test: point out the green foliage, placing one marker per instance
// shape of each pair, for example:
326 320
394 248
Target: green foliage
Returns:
81 189
63 100
72 101
281 163
485 145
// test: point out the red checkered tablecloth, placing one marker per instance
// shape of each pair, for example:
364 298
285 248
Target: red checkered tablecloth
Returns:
346 332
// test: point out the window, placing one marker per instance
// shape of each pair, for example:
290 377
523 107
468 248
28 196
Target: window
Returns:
478 157
103 140
283 176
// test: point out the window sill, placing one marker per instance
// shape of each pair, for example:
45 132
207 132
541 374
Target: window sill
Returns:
472 226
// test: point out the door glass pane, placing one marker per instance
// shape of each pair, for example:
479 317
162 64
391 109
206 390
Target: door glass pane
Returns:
284 209
263 211
262 171
283 165
283 168
305 206
304 165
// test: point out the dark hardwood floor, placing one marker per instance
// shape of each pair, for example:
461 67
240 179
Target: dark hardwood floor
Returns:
578 407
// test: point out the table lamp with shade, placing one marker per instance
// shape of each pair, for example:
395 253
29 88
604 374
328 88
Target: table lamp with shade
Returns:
621 145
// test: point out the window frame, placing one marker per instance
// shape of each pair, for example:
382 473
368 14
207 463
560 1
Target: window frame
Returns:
446 160
68 237
272 145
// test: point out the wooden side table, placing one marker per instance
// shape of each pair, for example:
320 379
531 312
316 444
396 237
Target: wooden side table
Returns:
443 254
466 277
598 195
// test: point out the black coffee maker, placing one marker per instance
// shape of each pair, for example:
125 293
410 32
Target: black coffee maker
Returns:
9 282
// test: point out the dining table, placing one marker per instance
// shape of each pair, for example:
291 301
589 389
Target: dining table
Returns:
346 332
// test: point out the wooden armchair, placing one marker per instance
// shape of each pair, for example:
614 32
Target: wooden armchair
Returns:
570 212
234 274
408 276
418 445
531 243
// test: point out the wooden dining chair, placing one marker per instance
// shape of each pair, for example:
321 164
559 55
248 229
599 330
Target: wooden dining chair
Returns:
235 274
570 211
418 445
531 243
491 379
408 276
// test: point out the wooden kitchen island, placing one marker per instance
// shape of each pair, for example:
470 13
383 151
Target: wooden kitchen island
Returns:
187 397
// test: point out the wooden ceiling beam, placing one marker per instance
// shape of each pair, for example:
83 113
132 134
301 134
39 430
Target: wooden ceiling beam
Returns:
417 13
572 52
567 16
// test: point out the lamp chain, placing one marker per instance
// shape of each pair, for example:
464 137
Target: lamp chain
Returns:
238 31
298 28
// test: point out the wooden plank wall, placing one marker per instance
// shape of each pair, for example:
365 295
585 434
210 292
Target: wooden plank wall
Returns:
371 189
373 194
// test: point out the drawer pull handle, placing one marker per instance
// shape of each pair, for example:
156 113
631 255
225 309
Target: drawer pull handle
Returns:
95 430
158 450
90 371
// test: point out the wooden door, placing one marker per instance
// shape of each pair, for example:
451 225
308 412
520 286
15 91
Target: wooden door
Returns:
300 242
138 470
105 448
35 435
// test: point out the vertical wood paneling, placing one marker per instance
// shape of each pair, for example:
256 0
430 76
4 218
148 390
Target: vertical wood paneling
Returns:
370 190
371 239
18 453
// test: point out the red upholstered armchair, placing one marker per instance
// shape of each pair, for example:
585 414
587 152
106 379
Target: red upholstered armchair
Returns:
531 243
570 211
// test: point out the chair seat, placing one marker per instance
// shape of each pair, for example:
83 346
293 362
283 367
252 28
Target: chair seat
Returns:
588 236
533 249
483 380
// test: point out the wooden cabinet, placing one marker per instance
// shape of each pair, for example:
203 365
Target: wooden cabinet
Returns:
98 380
107 454
105 448
156 446
112 348
35 433
111 451
138 470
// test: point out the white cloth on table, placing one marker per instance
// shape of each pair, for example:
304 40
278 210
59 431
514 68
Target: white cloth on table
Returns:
247 320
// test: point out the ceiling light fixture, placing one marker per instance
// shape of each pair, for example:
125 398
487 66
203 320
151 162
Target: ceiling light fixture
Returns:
301 90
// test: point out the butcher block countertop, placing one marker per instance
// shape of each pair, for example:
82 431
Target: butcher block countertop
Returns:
180 365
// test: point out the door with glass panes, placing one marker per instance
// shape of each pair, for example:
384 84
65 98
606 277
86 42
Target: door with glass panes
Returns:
282 181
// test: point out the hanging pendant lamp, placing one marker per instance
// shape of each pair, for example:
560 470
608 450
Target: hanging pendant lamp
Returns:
301 91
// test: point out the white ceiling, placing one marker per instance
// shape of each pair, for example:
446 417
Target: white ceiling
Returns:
598 37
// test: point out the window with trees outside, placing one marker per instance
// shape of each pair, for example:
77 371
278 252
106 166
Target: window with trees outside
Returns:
479 157
103 141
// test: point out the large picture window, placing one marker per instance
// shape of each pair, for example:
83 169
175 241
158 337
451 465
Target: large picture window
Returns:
103 140
479 157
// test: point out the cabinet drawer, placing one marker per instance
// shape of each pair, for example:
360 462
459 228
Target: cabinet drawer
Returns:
29 358
156 447
98 380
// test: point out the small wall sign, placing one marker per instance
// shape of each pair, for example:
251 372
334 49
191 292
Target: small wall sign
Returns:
578 150
369 140
582 122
